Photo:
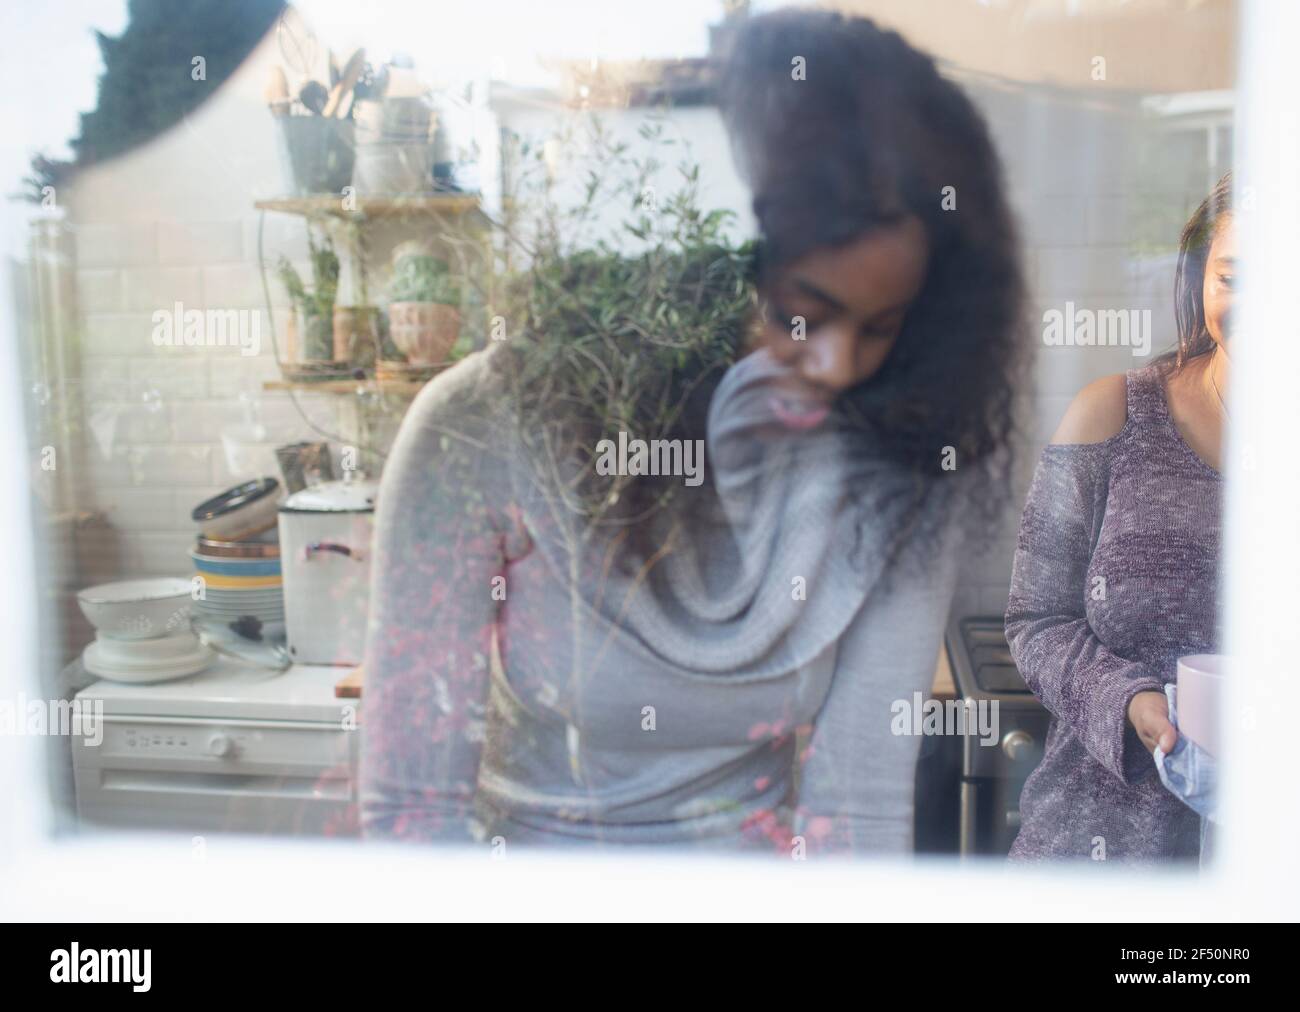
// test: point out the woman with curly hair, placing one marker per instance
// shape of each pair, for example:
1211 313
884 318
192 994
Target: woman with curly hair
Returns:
725 670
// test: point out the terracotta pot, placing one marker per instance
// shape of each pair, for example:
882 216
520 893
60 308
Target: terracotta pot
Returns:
313 340
424 331
356 335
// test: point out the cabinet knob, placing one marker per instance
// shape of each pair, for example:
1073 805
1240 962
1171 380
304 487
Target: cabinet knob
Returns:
1016 745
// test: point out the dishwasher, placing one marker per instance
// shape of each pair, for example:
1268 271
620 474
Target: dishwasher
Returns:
235 749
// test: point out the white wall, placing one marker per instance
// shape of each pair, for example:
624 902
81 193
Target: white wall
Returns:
1079 171
698 137
175 221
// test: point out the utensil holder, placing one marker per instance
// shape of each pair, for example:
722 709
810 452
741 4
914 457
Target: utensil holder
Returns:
317 154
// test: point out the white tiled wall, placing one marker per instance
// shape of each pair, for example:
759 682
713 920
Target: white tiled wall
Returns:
175 222
1072 166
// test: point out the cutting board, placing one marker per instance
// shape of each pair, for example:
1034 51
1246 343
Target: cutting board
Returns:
349 686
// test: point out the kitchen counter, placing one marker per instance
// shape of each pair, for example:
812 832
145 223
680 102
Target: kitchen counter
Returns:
231 690
942 687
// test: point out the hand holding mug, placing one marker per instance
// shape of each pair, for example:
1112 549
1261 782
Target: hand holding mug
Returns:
1148 712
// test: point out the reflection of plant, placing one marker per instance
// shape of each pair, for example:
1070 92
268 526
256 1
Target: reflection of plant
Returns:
624 340
420 278
628 332
319 301
625 344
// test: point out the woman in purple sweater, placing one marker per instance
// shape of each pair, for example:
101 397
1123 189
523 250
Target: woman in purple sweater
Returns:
1116 575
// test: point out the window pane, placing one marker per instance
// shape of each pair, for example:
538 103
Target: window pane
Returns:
746 429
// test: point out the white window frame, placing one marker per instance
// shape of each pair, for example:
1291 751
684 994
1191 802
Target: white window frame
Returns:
157 877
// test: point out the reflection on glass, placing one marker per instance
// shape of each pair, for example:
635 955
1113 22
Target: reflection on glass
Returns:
561 439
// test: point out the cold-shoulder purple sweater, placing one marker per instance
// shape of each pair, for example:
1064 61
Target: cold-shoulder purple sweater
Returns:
1115 578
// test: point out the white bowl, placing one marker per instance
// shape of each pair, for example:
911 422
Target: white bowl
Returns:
138 609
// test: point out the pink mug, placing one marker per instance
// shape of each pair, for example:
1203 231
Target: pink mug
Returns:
1200 698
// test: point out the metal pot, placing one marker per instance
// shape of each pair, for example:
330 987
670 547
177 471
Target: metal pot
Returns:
316 153
325 545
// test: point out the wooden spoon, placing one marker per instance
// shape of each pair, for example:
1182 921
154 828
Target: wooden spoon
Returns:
347 81
277 92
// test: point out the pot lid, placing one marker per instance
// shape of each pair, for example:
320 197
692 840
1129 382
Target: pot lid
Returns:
356 496
262 646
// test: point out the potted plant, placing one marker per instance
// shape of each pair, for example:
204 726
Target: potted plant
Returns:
357 335
314 307
423 313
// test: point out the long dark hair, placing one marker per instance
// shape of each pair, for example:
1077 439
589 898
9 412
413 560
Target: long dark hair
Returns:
1194 244
868 133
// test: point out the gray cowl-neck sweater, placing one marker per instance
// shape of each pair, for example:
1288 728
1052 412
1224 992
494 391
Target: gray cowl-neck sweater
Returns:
737 694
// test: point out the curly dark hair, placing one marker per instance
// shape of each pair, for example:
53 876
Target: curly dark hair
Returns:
867 134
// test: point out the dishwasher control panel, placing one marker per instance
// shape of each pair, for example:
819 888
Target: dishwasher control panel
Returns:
230 744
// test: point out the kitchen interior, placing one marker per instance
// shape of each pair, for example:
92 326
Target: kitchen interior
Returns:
336 203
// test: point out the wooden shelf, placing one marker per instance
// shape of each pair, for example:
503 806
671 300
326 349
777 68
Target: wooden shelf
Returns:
462 210
433 205
398 388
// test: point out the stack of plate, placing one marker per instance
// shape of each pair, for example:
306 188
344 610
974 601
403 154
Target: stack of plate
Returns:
153 660
142 631
241 580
